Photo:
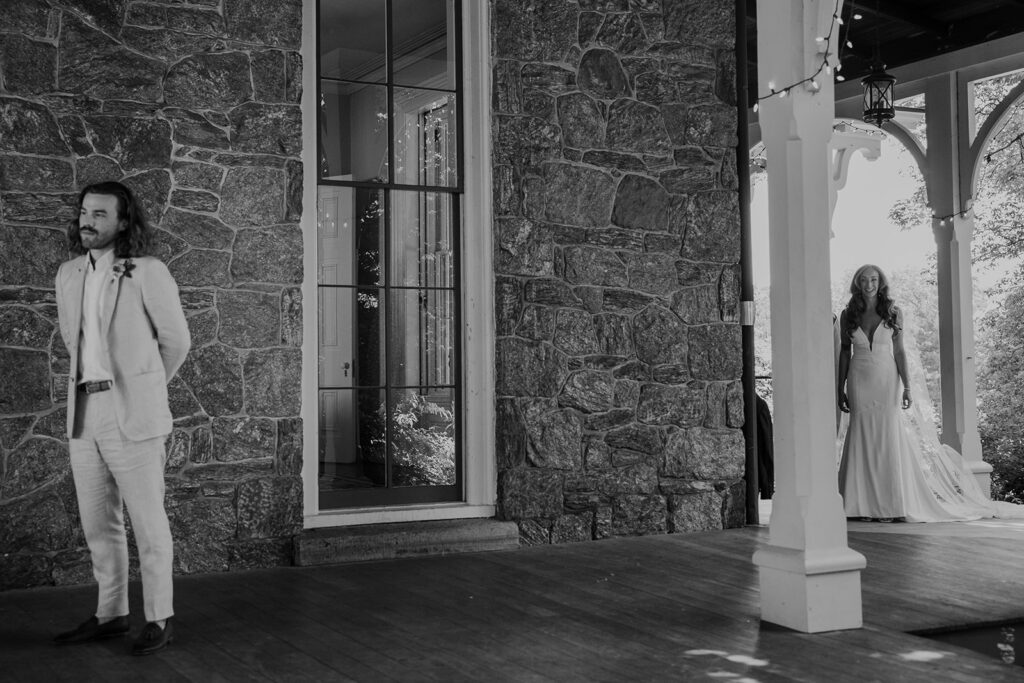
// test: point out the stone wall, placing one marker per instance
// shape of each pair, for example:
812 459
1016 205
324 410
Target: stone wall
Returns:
195 106
617 250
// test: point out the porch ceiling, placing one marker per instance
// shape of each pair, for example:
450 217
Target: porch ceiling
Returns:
908 31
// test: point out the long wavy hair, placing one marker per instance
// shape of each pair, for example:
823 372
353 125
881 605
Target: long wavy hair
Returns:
886 307
135 240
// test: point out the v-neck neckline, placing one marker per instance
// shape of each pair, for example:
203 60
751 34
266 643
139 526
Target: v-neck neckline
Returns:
870 337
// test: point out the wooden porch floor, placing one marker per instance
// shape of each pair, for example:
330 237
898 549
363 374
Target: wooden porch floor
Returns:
660 608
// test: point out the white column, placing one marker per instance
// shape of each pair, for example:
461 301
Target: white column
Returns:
949 192
809 577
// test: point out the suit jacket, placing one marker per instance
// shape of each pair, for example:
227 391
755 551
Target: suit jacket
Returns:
147 339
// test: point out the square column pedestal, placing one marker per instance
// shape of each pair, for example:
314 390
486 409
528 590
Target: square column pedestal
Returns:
810 591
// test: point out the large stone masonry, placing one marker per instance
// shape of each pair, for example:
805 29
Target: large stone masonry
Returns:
617 249
195 106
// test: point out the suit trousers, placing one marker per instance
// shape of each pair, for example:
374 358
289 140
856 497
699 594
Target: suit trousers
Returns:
111 472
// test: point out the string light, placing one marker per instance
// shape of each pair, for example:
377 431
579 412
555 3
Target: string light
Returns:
825 65
958 214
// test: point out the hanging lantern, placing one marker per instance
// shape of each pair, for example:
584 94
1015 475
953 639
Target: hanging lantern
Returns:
879 95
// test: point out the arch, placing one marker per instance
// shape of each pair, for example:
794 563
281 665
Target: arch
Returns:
988 130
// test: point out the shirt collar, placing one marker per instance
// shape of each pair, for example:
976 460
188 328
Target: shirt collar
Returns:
103 262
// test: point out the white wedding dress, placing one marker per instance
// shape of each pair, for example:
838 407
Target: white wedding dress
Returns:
893 465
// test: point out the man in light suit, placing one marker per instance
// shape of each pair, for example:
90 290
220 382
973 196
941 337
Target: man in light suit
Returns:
125 331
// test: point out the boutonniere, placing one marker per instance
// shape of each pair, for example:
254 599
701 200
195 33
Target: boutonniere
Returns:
124 268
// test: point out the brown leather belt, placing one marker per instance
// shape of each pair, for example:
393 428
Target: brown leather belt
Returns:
94 387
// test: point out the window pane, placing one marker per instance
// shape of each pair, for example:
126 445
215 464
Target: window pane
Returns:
425 137
351 337
423 437
421 239
352 439
353 40
423 54
353 131
350 235
422 342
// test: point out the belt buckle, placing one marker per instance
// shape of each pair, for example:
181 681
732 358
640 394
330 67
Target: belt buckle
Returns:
96 386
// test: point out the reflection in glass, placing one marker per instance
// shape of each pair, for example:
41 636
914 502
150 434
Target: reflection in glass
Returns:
425 137
421 239
350 225
353 439
353 42
351 337
353 131
423 52
423 340
422 437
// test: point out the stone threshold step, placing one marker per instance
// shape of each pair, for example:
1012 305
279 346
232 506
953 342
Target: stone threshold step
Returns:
362 543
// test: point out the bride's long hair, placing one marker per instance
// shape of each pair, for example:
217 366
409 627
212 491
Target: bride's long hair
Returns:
885 307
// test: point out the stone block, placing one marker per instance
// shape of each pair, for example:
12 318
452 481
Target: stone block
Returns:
289 446
268 255
708 454
712 220
643 438
507 304
29 128
253 196
41 525
14 429
525 142
594 266
203 232
716 352
267 129
638 515
24 327
273 23
269 507
26 16
534 30
529 368
573 528
700 22
29 66
697 305
611 419
575 333
660 337
291 316
552 435
249 319
35 463
601 75
695 512
25 570
538 322
636 127
523 248
214 375
529 492
202 268
91 63
197 175
273 382
24 380
581 120
570 195
681 405
614 160
151 189
243 438
589 391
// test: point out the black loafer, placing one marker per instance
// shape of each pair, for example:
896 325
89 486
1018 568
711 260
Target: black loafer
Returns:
153 638
92 629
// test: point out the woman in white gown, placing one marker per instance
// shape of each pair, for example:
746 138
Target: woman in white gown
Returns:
893 466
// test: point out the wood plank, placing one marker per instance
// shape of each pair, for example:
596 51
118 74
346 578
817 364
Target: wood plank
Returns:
681 607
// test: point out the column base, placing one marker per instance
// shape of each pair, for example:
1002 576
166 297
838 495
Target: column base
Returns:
812 591
982 472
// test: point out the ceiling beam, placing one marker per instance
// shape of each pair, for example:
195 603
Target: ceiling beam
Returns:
897 11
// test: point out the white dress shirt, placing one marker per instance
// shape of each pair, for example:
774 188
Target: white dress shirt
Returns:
92 351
